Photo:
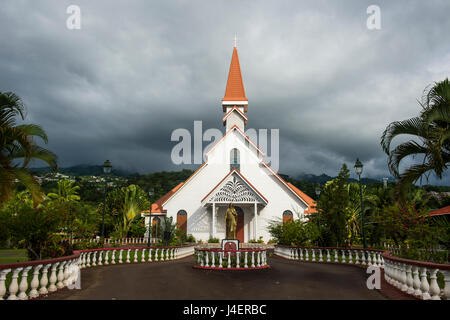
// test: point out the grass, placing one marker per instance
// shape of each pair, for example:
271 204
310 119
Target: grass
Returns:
13 255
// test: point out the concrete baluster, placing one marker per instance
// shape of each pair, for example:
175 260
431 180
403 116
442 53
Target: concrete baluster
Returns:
3 274
13 286
434 287
416 280
446 274
44 280
128 256
52 287
424 286
107 256
120 256
409 279
229 259
23 286
60 284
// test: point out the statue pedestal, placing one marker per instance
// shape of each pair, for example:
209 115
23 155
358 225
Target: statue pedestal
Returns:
230 244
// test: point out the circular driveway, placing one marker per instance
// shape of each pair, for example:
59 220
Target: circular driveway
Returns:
178 280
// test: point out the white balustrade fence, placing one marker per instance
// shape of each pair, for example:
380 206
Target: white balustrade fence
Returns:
417 278
37 277
355 256
211 258
141 240
27 280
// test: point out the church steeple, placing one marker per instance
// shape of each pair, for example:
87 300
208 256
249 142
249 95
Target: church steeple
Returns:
234 92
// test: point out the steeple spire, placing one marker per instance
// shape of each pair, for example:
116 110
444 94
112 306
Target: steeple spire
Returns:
234 92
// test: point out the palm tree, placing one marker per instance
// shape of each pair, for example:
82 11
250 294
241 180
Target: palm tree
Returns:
18 147
133 205
67 195
432 139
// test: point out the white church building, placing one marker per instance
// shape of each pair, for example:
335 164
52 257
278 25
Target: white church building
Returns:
234 171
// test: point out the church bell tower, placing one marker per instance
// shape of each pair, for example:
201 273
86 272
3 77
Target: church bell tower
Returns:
235 103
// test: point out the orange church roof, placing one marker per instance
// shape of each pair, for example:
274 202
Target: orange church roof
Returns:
311 203
235 87
157 206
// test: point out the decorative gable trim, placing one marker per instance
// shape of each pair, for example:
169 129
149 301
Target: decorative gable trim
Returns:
234 187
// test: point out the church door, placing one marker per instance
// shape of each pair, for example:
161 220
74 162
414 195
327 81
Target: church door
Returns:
240 224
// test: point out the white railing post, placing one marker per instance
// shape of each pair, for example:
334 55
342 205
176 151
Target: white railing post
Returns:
120 255
416 279
150 255
135 255
94 258
128 256
52 286
253 259
3 274
220 259
356 256
206 259
446 274
23 286
434 287
107 257
60 284
229 259
424 286
336 257
320 255
350 258
238 261
409 279
13 286
44 280
100 258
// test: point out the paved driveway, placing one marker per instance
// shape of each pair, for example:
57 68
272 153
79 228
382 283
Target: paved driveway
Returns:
178 280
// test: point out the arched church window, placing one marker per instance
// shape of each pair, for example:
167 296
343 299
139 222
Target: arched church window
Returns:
234 160
287 216
182 220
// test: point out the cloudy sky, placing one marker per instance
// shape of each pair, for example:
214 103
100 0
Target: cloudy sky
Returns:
137 70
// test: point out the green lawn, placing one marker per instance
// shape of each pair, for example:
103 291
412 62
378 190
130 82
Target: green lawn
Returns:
13 255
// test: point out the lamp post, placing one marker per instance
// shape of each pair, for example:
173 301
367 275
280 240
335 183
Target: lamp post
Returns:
107 166
318 199
359 170
149 232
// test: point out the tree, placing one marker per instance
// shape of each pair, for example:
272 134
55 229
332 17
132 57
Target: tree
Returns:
333 208
67 196
125 204
18 147
431 131
34 227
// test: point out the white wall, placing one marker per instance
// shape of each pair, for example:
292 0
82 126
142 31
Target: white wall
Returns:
189 197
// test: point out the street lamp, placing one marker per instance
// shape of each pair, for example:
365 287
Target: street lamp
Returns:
150 193
107 166
359 170
318 199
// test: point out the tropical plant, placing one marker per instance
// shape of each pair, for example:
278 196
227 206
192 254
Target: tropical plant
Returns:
18 147
126 203
431 130
67 197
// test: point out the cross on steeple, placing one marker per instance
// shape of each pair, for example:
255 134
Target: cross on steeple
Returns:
235 40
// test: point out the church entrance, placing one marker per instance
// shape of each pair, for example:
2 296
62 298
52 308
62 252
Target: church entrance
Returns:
240 224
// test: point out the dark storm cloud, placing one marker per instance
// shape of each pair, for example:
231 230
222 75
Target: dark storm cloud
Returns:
137 70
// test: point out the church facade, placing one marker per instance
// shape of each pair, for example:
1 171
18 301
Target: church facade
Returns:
234 172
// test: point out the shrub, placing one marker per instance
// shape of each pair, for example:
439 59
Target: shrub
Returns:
213 240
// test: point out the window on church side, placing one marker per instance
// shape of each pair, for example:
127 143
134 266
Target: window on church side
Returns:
234 160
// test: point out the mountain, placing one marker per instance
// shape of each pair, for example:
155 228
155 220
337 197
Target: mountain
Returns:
82 170
324 178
